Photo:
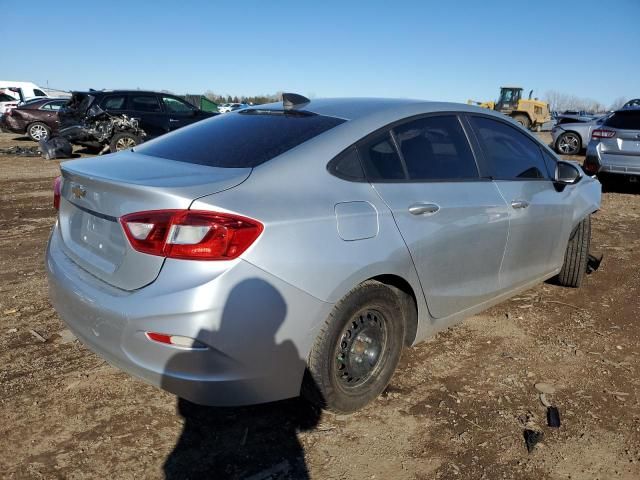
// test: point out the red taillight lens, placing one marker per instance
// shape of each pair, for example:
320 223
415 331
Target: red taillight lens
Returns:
602 133
190 234
57 188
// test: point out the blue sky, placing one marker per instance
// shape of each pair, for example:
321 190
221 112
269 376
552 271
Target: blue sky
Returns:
445 50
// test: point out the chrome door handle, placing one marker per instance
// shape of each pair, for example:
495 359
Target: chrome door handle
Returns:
423 209
517 204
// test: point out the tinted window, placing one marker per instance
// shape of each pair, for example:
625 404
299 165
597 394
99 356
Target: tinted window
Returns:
380 159
6 98
509 153
347 165
145 103
52 106
174 105
114 102
245 139
550 160
39 93
625 120
436 148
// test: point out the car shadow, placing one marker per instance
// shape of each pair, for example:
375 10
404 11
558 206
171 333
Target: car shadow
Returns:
248 442
619 185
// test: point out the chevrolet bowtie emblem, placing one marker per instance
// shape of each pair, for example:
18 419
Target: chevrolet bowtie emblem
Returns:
78 191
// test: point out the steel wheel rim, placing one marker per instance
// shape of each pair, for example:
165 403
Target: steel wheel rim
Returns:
38 132
125 143
568 144
360 350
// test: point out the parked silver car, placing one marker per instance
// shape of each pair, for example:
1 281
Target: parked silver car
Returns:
614 149
300 246
571 137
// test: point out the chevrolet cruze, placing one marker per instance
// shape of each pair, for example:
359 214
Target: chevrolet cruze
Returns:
298 247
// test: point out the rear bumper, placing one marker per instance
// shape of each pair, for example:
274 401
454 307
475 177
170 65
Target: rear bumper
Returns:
615 164
9 124
258 329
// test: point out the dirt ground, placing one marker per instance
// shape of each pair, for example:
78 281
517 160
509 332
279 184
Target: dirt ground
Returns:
456 407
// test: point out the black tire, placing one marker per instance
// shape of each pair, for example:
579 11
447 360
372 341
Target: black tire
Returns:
123 141
38 131
575 258
522 120
366 320
569 143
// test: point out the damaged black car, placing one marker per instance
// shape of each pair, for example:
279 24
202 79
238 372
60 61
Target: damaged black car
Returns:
114 120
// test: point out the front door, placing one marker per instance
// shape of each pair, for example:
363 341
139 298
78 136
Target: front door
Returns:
538 213
454 223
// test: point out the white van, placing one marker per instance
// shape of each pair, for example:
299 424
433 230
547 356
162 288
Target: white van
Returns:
29 89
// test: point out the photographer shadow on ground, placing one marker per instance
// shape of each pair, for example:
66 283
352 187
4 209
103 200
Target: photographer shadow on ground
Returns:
252 442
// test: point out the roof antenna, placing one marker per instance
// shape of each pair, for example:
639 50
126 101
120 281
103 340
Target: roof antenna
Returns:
291 101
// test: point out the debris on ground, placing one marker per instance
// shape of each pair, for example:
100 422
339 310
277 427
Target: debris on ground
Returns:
56 147
544 387
532 438
553 417
37 336
21 151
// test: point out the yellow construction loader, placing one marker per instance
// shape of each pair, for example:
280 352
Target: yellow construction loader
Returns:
530 113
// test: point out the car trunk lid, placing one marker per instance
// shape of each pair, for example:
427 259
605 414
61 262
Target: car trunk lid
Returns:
97 192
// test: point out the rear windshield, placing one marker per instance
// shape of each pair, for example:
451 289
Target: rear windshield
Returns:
625 120
240 140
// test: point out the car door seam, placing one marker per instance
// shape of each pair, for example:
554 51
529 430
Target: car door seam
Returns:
506 244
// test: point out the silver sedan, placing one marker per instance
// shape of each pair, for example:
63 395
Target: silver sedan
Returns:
571 137
298 247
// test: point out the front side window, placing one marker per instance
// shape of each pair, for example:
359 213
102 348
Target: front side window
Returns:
436 148
173 105
114 102
380 159
145 103
509 154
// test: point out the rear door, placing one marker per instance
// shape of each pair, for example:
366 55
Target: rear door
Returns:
146 107
538 213
454 223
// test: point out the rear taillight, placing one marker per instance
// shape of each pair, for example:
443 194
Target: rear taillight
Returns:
602 133
190 234
57 188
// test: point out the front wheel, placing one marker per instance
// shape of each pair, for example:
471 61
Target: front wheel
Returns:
522 120
123 141
577 255
357 350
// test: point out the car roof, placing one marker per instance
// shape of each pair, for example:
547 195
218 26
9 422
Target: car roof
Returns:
392 108
106 92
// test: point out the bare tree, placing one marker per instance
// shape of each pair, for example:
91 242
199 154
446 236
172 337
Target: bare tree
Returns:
618 103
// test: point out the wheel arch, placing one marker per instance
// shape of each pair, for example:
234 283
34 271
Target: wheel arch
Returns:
409 304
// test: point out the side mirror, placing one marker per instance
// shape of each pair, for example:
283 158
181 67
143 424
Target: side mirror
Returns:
567 173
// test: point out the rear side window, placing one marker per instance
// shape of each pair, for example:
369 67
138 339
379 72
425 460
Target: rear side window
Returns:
39 93
114 102
6 98
380 160
52 106
347 165
240 140
624 120
509 153
145 103
436 148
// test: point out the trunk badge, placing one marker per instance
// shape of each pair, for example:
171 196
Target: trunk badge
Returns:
78 191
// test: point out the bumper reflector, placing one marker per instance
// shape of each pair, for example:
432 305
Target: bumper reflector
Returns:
176 340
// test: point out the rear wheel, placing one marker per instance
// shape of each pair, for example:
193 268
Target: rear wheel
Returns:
123 141
357 350
575 259
569 143
522 120
38 131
